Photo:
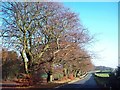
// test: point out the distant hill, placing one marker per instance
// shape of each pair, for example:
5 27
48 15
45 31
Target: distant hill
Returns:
102 68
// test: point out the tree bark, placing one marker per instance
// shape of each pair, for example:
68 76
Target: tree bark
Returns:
25 60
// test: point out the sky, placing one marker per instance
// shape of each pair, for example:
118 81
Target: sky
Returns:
61 0
101 19
119 34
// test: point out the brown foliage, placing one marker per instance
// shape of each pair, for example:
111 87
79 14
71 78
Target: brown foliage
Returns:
69 55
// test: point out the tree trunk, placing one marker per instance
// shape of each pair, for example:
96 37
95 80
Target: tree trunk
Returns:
51 72
51 76
30 58
29 51
65 71
25 60
58 47
75 73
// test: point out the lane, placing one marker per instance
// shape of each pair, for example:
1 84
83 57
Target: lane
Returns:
87 82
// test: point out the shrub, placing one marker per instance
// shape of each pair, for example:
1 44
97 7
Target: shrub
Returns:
58 76
10 69
44 75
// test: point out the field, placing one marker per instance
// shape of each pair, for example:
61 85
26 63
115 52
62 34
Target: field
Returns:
102 74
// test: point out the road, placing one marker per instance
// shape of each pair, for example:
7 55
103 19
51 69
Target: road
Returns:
87 82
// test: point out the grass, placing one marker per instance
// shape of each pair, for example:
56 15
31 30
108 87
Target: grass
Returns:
102 74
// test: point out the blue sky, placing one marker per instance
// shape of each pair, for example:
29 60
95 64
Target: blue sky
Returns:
101 18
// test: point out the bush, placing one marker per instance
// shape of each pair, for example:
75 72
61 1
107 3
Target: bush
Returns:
71 76
10 69
58 76
44 75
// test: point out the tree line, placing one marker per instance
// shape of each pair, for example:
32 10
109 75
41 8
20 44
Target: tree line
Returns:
45 35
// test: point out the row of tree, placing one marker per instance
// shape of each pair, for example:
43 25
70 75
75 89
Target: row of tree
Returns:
45 34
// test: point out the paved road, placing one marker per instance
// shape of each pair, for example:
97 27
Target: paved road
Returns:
88 82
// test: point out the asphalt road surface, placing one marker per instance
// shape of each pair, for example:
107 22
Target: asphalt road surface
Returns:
87 82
